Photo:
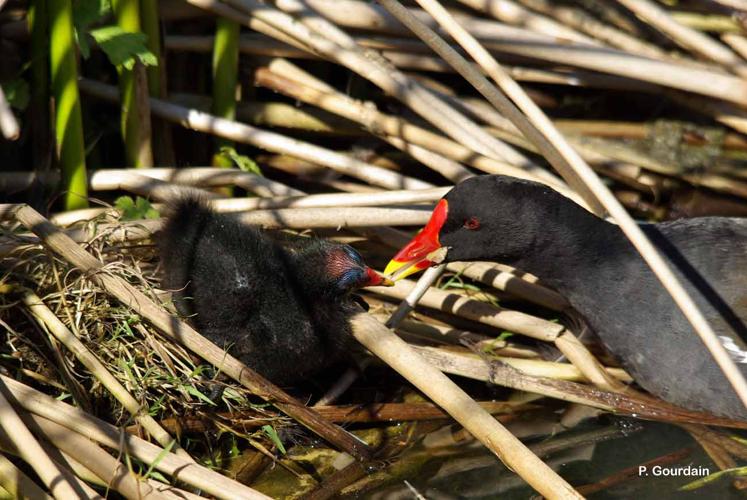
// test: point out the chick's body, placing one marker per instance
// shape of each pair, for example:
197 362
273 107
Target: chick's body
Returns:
272 305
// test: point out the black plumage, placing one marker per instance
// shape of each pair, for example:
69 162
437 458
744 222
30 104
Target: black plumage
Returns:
591 262
280 305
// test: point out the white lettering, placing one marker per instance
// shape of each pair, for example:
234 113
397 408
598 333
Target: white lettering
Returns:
689 470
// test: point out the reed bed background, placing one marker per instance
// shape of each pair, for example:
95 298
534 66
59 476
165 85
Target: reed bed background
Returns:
346 120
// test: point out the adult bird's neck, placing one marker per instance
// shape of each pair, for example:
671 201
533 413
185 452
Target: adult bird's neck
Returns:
579 256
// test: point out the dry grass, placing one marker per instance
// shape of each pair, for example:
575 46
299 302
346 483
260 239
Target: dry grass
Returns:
162 376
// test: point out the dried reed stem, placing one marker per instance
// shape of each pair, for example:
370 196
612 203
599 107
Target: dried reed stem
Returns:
688 38
335 45
111 179
592 184
586 363
532 367
556 151
114 473
398 355
336 217
57 480
270 141
388 127
155 189
76 420
46 317
629 404
501 277
582 21
180 332
18 484
513 13
429 277
475 310
327 200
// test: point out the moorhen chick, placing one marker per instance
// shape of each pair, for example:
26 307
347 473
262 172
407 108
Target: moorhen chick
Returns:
592 263
279 305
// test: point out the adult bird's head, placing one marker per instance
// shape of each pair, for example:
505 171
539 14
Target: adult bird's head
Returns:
489 217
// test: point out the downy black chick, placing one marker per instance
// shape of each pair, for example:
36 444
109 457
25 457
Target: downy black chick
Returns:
281 307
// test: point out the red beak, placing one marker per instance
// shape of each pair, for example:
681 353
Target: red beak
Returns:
414 256
376 279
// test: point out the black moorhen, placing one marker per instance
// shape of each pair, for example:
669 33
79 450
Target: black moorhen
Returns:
591 262
280 306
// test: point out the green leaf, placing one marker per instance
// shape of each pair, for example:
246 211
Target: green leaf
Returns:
144 207
504 335
158 459
273 435
199 370
127 206
140 208
124 203
124 48
125 367
85 13
462 286
698 483
244 163
156 406
194 392
17 93
235 451
159 477
230 394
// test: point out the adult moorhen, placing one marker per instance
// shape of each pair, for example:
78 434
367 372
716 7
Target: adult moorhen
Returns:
279 305
592 263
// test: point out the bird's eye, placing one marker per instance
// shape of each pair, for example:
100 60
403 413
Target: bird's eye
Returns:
472 223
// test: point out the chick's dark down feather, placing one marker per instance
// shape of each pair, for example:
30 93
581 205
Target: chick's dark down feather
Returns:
241 289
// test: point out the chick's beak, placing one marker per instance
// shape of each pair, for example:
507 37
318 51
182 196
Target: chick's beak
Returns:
376 279
415 256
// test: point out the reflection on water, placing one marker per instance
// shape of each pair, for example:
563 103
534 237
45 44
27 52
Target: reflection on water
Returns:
602 457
